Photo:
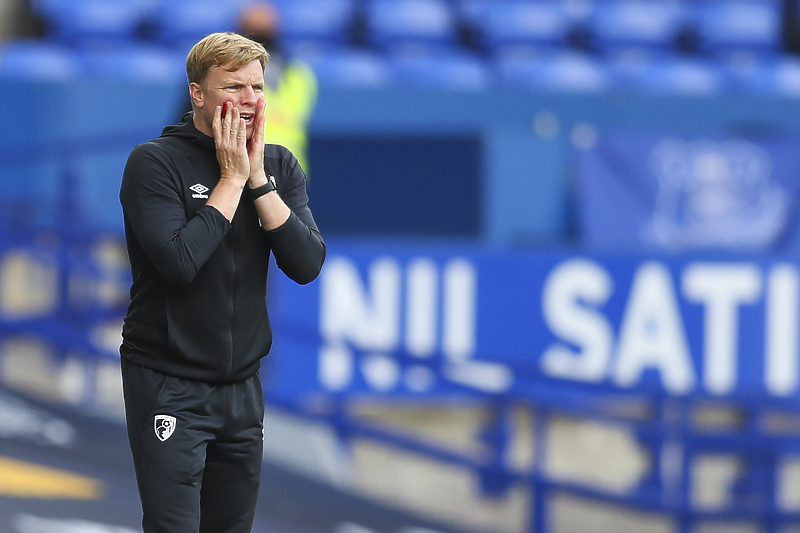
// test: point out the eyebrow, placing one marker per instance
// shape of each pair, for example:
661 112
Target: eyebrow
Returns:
238 84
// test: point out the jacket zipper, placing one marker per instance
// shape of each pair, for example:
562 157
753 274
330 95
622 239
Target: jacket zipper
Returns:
233 287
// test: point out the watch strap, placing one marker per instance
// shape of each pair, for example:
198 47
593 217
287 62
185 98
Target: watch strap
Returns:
261 190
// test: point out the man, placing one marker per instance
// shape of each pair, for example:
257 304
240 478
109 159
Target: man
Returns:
205 205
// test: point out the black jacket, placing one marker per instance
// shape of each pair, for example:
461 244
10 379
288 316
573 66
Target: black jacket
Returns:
198 298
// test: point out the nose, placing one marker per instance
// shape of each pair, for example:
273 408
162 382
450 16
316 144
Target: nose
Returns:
248 95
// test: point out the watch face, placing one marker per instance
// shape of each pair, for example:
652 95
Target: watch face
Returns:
271 179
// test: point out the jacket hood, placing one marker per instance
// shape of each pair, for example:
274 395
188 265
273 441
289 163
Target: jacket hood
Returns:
187 130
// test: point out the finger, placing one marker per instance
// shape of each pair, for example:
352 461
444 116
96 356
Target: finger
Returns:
256 142
260 121
241 135
216 124
226 123
233 115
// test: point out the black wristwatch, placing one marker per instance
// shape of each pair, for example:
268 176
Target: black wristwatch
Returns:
260 191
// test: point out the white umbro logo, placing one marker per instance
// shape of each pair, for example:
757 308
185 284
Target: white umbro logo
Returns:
164 426
199 190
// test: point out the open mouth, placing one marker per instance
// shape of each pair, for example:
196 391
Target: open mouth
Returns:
247 117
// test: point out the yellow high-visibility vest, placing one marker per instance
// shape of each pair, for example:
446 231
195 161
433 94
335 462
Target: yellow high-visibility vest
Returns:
289 108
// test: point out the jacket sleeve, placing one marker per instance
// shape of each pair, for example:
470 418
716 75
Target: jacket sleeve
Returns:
298 245
152 205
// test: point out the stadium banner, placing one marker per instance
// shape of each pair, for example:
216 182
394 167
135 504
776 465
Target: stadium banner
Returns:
673 193
418 319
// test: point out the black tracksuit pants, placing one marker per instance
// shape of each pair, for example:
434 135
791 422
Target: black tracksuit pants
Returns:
197 450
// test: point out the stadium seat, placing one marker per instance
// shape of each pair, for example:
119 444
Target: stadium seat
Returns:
393 22
37 60
740 24
349 68
561 72
627 65
323 20
308 47
785 77
44 8
134 63
675 75
514 22
778 77
92 22
181 23
457 71
746 72
637 23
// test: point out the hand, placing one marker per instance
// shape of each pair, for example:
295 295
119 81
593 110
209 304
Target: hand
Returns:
230 138
255 147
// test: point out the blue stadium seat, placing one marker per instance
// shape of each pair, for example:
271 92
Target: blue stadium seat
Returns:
779 76
514 22
91 22
349 68
638 23
785 77
134 63
559 72
628 65
393 22
675 75
308 47
746 72
740 24
44 8
181 23
324 20
457 71
37 60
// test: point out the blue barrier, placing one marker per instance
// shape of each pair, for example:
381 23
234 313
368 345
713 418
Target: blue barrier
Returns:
705 324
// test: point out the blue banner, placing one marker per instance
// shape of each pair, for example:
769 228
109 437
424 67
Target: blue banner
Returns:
670 193
410 319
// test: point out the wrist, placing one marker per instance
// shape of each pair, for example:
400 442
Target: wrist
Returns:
257 181
237 180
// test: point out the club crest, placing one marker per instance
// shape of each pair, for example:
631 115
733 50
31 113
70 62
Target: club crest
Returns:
164 426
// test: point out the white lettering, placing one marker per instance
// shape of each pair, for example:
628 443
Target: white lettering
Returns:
335 370
565 289
421 303
419 379
480 375
652 334
782 320
381 372
722 288
459 307
370 321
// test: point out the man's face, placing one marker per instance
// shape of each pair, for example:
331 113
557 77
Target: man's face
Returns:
242 88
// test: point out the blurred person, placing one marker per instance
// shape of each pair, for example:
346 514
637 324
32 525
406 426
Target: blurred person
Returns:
291 86
205 204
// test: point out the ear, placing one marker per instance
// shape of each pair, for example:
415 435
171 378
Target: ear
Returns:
196 94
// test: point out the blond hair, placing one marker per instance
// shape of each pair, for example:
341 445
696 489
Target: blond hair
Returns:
229 50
